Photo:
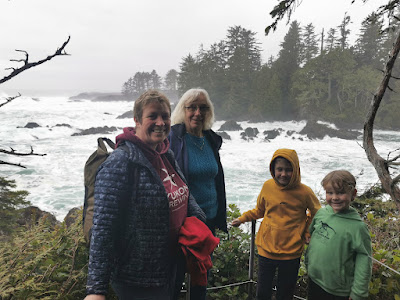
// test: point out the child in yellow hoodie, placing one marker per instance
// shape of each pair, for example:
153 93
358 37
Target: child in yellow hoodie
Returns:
283 203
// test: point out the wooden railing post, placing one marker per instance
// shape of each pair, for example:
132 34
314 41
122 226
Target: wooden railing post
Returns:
251 260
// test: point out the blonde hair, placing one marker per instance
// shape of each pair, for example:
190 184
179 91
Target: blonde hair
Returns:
178 115
147 97
340 180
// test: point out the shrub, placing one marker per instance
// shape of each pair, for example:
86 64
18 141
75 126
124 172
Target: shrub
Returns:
40 263
10 201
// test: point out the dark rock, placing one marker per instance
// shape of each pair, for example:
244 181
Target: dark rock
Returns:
249 133
31 215
314 130
63 125
111 97
271 134
290 132
96 130
31 125
84 96
100 97
72 216
224 135
126 115
230 126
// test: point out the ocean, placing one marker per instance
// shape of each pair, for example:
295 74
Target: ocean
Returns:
55 181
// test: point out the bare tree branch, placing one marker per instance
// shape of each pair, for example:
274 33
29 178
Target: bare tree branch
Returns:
393 159
13 152
11 164
396 179
27 65
9 99
380 164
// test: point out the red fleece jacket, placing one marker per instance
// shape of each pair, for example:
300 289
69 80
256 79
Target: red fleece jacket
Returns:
197 243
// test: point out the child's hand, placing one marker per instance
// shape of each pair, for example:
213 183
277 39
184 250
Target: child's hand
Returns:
308 239
236 222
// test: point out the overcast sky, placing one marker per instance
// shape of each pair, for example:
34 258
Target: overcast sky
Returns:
112 40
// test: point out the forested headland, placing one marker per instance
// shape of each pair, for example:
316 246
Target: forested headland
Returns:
316 75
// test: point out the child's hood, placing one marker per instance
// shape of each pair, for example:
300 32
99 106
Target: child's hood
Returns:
292 157
350 213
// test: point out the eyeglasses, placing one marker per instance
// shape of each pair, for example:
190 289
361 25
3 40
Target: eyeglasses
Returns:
193 108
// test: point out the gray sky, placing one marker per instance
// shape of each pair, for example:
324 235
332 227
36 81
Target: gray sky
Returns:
112 40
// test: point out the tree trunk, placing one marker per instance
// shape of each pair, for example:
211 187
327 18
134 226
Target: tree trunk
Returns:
381 165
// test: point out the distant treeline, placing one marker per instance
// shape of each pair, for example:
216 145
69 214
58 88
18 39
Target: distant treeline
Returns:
315 76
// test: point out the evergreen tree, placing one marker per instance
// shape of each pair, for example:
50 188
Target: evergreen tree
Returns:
344 32
369 44
128 88
10 201
331 39
243 63
212 72
309 43
286 65
189 75
155 80
171 80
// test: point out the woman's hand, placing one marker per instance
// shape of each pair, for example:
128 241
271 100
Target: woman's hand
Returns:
95 297
236 222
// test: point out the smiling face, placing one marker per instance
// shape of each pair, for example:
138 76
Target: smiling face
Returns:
283 171
339 200
195 113
155 124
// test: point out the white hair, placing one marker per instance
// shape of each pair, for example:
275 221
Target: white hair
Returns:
178 115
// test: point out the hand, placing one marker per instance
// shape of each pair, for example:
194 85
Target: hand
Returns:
236 222
307 237
95 297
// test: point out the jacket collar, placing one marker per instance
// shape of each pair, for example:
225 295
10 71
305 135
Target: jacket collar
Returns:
179 130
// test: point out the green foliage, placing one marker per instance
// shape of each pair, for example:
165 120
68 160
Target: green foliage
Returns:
45 264
41 263
10 201
231 261
385 283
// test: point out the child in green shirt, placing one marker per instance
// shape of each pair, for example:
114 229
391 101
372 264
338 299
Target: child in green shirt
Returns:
338 258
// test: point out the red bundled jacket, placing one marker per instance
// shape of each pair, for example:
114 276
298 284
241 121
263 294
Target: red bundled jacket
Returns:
197 243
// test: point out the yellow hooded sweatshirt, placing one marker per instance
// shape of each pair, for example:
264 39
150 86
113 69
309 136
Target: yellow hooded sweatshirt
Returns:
284 208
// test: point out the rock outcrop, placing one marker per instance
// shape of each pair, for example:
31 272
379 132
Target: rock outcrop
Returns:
96 130
230 126
30 216
224 135
314 130
249 133
271 134
31 125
